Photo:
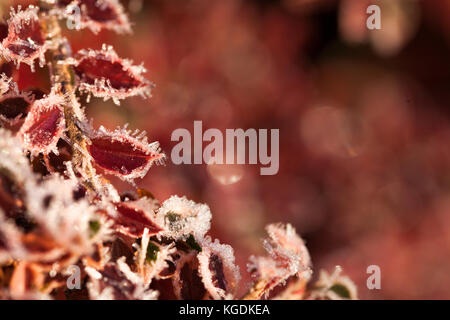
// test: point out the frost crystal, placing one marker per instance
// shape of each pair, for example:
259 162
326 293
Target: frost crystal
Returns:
133 217
288 256
182 217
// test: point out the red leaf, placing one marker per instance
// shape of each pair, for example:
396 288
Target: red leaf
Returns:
287 257
44 125
132 218
25 41
122 154
104 74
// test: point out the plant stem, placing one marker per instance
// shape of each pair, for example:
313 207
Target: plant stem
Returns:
62 78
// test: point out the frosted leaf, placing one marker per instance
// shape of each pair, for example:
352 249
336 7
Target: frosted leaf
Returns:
285 243
25 41
94 14
44 125
288 257
186 280
333 287
217 269
117 282
182 217
123 153
103 74
133 217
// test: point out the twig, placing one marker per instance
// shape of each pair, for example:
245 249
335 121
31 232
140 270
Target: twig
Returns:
62 78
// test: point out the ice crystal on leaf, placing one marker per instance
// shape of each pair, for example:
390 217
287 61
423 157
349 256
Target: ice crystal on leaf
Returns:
288 257
123 153
25 41
44 125
133 217
217 269
209 274
182 217
333 287
103 74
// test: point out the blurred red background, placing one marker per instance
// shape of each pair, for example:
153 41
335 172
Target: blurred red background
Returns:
363 116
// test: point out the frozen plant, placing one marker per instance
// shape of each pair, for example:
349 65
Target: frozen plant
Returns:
57 211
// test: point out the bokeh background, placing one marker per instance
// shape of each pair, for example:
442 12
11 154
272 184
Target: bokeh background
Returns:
363 115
